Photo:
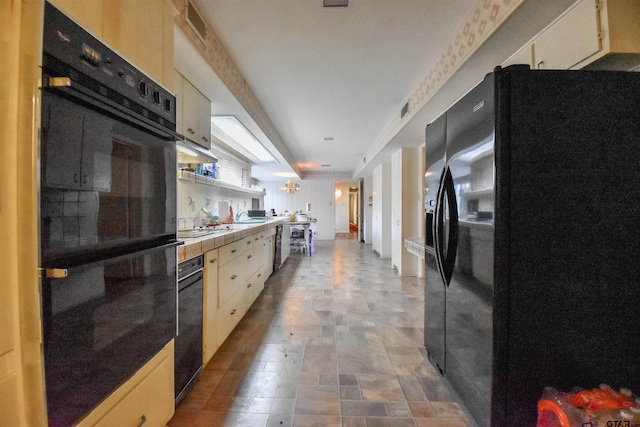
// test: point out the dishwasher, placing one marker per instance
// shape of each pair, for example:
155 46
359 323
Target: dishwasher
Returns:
188 342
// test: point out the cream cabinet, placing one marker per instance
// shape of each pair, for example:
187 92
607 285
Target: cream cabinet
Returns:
569 40
210 309
141 30
593 34
194 113
146 399
87 13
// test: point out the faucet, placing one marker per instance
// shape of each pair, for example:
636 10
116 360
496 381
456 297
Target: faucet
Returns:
240 213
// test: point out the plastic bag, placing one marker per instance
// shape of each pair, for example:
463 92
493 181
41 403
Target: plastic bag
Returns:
598 407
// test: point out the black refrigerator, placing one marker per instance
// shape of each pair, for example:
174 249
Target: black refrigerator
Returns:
533 252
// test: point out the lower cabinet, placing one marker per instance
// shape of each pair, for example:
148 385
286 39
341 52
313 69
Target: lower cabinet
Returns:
210 297
146 399
230 314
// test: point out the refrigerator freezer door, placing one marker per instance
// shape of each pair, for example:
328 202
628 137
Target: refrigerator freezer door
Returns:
434 329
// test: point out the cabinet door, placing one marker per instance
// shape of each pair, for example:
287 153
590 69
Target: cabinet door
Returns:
210 330
87 13
149 403
179 92
190 95
135 30
570 40
523 56
204 121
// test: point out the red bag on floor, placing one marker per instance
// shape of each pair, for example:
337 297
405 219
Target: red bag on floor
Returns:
599 407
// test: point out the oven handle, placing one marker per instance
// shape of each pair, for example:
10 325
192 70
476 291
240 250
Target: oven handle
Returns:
68 88
53 269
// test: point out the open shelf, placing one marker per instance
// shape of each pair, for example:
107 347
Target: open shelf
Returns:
205 180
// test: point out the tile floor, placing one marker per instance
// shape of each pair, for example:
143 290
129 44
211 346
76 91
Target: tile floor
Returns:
334 339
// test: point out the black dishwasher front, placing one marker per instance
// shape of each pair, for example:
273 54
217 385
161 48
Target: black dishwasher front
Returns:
188 343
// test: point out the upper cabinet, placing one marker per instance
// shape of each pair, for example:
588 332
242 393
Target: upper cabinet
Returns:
569 40
141 31
593 34
194 112
87 13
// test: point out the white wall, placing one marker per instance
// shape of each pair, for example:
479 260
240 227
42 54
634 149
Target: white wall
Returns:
406 201
381 210
367 190
342 207
320 193
199 193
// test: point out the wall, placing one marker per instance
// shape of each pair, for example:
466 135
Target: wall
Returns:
21 376
406 207
367 190
320 193
381 210
342 207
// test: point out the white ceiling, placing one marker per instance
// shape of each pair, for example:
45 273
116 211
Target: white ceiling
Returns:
346 72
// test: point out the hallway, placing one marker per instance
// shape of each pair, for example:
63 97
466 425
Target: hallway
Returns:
334 339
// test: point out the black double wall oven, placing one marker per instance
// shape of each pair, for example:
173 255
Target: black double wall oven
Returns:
107 219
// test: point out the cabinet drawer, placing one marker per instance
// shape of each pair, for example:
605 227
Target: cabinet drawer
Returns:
231 279
230 314
150 400
235 249
255 285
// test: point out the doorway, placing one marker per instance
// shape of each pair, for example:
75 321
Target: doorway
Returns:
347 195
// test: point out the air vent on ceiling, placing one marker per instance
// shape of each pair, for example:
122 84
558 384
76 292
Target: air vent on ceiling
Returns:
195 21
404 110
324 166
335 3
328 138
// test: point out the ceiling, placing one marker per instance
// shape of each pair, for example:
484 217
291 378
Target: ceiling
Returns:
345 73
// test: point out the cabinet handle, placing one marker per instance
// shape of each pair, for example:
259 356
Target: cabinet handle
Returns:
191 131
234 251
257 239
249 285
259 274
249 257
142 421
248 242
234 276
76 177
233 311
84 178
205 139
213 260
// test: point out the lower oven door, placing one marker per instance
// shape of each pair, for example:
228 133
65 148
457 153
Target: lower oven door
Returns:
102 322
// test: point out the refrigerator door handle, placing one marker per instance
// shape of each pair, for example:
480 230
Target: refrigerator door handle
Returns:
438 227
452 238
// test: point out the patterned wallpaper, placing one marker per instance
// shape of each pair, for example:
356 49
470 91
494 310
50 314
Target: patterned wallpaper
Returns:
481 21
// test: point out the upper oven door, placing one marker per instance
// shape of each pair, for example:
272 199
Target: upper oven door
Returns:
106 182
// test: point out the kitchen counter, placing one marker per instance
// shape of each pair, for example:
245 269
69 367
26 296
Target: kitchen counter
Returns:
194 246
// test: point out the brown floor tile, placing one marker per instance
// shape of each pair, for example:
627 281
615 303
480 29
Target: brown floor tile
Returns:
335 339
